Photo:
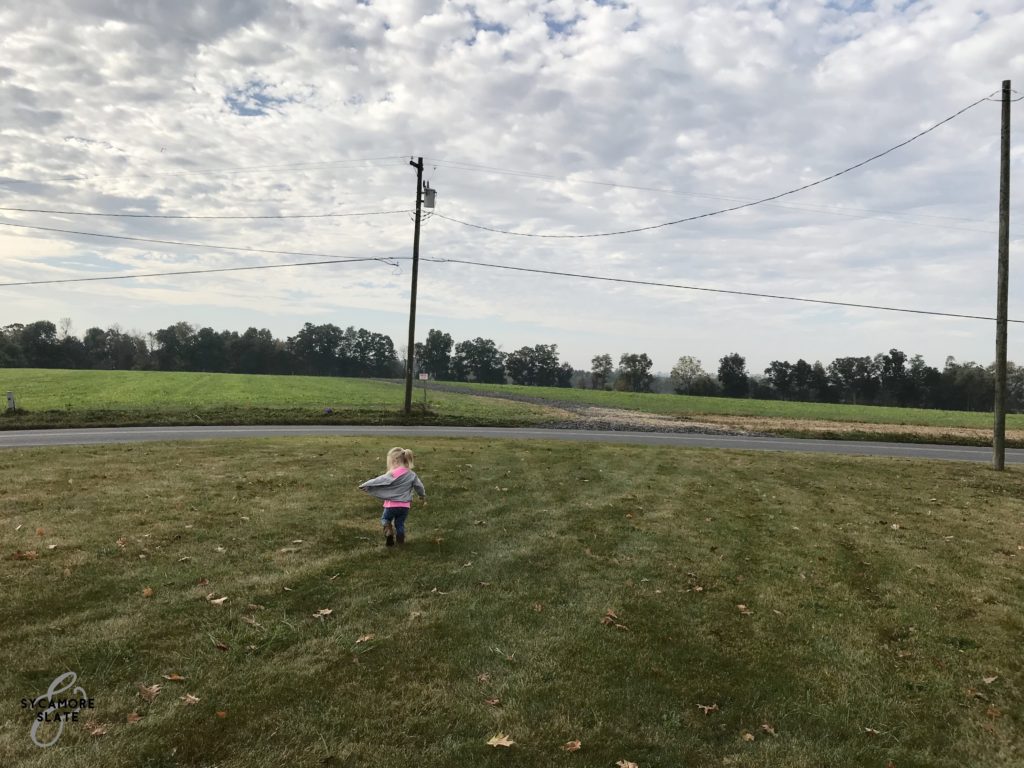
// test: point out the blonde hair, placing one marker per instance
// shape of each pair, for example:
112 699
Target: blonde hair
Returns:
400 457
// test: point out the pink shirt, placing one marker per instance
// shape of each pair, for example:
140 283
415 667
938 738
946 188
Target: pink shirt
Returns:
398 472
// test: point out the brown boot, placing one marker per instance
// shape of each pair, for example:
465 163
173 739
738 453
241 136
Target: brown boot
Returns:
400 537
389 535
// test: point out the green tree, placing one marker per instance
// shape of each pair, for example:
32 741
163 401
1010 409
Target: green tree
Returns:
479 360
434 356
601 370
635 372
685 374
732 372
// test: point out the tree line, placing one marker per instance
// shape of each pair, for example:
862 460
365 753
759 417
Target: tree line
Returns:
890 378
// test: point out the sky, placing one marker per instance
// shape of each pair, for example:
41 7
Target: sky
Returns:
564 117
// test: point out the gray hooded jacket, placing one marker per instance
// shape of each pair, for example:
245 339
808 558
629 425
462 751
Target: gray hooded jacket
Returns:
392 488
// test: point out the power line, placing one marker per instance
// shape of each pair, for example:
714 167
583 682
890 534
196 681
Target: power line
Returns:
169 216
708 290
723 210
162 242
393 261
827 210
197 271
235 169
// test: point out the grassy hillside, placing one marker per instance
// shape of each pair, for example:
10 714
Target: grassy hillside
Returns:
71 397
662 606
685 405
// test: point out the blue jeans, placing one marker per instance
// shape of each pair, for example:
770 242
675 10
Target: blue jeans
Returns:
397 516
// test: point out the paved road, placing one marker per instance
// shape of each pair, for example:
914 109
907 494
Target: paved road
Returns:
47 437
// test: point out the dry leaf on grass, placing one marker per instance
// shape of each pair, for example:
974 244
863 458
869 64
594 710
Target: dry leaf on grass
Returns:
122 542
40 532
174 677
611 619
217 601
501 740
222 714
29 555
147 592
767 728
365 638
744 610
219 645
626 764
989 680
538 607
255 607
872 732
707 709
747 736
322 613
572 746
51 546
149 692
134 717
188 698
495 702
251 621
483 677
97 730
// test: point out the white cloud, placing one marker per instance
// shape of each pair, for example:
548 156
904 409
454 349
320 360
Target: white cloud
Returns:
714 103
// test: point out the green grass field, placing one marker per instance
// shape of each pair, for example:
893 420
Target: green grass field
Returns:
99 398
824 610
686 405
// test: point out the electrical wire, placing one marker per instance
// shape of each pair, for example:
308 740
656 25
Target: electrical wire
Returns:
723 210
163 242
236 169
708 290
855 213
170 216
382 260
394 261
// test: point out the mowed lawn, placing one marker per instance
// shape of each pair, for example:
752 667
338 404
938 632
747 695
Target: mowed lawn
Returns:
690 406
56 397
762 610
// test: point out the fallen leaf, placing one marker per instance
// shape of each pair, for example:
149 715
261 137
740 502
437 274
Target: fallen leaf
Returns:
218 601
364 638
501 740
872 731
323 612
572 746
288 589
495 702
436 591
252 622
51 546
147 592
994 712
184 559
903 654
484 583
29 555
174 677
122 542
466 565
220 646
255 607
767 728
134 717
40 532
483 677
188 698
98 730
626 764
895 526
222 714
989 680
698 588
747 736
335 576
629 515
202 582
707 709
296 541
538 607
744 610
287 550
415 614
219 549
149 693
19 526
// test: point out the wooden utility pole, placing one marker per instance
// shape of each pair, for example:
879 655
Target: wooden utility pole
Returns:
999 428
411 352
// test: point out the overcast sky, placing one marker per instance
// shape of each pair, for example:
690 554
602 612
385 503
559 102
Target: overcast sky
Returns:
263 108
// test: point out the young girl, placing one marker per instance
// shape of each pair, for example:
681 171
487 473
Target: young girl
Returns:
396 486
